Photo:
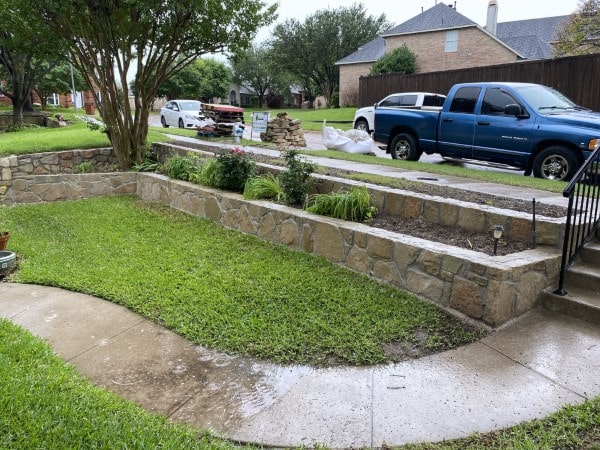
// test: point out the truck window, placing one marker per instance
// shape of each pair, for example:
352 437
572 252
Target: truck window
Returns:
433 100
495 100
393 100
465 99
408 100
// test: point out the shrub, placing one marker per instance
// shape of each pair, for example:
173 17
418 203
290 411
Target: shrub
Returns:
234 169
354 205
84 167
264 187
401 59
208 175
181 167
296 182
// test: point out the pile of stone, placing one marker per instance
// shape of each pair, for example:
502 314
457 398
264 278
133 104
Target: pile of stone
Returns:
283 130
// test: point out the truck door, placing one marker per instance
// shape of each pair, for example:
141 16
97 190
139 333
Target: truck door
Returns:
457 125
502 135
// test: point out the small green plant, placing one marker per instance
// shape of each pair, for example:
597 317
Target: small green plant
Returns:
84 167
208 174
181 167
354 205
264 187
234 168
149 164
296 181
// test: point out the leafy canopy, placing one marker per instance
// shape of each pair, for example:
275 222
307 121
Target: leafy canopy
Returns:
309 50
401 59
202 79
153 39
581 33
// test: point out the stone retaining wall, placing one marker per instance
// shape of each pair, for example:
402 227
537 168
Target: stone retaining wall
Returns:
50 188
50 163
39 119
490 289
411 205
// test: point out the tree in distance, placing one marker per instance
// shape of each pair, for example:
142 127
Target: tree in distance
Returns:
401 59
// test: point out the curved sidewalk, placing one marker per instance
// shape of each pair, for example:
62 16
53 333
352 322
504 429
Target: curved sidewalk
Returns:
525 371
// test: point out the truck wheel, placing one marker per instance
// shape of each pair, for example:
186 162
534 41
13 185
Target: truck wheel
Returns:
555 163
404 147
163 121
362 125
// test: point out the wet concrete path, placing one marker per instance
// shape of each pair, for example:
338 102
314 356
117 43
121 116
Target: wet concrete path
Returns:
525 371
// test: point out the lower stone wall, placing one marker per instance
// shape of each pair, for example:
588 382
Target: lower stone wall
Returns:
50 188
51 163
490 289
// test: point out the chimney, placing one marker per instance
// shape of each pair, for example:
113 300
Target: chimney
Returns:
492 17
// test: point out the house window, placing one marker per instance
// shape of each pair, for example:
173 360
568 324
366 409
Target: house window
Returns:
451 41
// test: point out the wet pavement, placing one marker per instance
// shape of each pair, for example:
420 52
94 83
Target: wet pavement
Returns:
524 371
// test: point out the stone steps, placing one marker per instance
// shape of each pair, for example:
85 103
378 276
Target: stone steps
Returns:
582 286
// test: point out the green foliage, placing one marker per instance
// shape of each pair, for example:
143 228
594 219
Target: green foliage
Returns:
150 164
58 81
256 69
84 167
309 50
208 175
401 59
234 169
579 35
264 187
296 181
202 79
181 167
354 205
217 287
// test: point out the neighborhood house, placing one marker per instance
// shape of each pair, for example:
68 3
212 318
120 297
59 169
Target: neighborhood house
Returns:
444 39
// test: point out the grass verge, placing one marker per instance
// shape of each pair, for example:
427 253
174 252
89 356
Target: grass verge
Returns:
73 136
218 287
312 119
45 403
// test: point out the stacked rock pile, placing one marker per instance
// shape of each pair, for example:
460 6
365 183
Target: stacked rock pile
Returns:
284 130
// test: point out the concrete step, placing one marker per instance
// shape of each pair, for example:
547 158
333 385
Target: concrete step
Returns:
591 253
580 303
584 275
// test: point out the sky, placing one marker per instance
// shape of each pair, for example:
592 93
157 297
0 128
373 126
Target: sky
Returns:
398 11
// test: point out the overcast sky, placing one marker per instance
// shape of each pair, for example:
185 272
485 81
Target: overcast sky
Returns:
398 11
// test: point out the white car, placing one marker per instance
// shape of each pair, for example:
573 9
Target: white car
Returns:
364 117
181 113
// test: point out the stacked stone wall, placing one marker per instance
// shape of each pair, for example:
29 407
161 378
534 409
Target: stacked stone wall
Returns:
489 289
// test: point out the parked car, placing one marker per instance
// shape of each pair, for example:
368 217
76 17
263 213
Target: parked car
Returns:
181 113
525 126
364 117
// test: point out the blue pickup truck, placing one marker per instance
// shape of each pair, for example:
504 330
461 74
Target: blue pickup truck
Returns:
523 126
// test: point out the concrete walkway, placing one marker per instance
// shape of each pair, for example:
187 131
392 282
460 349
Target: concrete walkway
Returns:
524 371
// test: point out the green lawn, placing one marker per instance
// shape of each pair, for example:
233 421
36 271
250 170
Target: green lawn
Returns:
74 136
220 288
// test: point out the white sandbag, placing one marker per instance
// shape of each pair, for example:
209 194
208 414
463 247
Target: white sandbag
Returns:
351 141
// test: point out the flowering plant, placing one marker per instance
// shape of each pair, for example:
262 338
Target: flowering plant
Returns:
234 168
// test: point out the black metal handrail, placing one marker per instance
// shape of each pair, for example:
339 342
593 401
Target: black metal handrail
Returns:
583 215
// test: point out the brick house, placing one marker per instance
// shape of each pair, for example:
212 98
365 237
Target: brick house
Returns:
444 39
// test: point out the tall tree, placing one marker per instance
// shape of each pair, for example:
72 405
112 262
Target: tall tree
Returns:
58 81
256 70
203 79
581 33
312 48
154 39
26 54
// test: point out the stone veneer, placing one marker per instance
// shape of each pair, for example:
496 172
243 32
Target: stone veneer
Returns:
489 289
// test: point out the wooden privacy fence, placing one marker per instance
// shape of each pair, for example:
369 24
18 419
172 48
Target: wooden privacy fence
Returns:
577 77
